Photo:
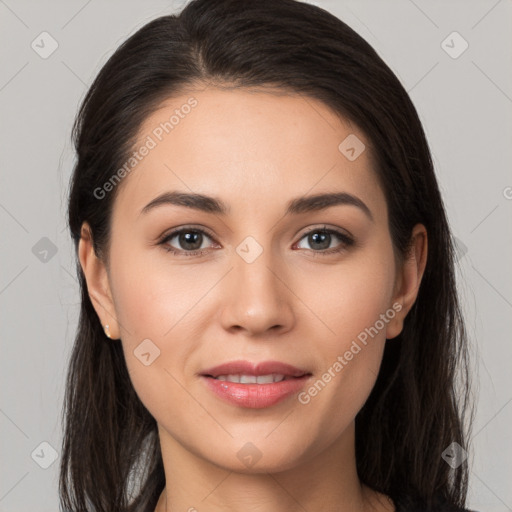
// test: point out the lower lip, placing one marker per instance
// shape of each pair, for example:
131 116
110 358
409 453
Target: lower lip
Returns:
255 396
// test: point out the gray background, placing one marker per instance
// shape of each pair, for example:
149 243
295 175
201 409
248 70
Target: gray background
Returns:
465 104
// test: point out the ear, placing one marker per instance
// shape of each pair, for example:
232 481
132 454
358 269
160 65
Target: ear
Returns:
408 280
98 285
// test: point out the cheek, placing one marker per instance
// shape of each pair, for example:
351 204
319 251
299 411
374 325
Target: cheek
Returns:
153 295
355 304
159 311
348 298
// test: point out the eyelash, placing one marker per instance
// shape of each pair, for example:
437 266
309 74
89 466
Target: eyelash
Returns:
346 240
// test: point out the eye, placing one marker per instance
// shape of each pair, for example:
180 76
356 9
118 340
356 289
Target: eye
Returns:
321 238
190 239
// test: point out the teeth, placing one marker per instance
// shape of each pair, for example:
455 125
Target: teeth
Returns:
252 379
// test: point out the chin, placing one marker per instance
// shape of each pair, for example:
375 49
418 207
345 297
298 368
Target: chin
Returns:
254 458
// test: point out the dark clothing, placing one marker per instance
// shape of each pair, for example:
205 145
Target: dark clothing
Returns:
405 504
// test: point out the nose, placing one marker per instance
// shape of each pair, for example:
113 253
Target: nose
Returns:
258 297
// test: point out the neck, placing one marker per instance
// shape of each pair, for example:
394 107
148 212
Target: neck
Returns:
325 481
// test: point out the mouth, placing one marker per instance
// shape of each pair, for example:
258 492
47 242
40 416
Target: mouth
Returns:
245 372
253 379
255 386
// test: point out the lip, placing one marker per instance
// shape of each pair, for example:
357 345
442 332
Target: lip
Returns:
255 396
256 369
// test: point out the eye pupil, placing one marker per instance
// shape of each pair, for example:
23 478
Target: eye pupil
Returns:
190 237
319 237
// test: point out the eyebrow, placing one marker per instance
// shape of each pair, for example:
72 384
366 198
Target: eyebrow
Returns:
304 204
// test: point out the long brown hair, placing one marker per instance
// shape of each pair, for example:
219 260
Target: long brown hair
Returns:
111 459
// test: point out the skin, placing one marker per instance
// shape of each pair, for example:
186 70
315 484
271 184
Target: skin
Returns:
254 150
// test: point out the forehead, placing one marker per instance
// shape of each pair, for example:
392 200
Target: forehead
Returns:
252 148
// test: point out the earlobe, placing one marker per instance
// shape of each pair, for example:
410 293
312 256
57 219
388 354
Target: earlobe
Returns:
409 280
98 285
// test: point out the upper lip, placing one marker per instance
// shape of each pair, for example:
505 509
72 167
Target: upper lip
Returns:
256 369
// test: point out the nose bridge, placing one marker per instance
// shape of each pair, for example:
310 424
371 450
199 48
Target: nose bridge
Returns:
258 299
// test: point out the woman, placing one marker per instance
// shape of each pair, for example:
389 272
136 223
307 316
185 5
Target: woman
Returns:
269 317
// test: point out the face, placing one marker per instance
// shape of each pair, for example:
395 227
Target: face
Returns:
314 288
